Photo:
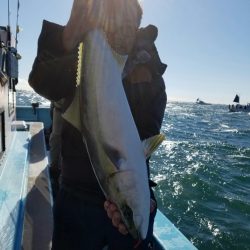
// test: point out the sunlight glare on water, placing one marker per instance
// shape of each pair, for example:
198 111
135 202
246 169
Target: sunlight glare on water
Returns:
203 174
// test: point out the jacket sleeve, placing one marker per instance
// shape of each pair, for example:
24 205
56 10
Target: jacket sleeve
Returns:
147 99
147 103
53 74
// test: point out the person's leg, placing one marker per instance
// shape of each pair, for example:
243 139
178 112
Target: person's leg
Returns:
55 151
77 225
55 140
116 240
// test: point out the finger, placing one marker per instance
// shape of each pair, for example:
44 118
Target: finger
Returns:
106 205
116 219
112 207
110 213
122 229
109 206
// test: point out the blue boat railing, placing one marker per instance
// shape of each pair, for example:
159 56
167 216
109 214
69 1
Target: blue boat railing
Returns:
34 114
13 183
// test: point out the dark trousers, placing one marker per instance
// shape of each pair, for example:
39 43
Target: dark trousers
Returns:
82 225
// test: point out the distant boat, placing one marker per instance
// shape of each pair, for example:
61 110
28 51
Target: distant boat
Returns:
236 99
199 101
237 107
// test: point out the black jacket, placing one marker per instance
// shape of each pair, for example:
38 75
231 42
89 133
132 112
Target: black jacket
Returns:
54 75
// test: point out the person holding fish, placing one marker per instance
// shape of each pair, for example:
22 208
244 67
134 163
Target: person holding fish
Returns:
104 198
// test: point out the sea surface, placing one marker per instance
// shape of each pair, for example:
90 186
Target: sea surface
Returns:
203 172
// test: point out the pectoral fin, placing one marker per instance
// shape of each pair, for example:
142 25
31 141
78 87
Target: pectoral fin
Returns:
72 114
152 143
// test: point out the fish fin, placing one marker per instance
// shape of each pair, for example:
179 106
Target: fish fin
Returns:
151 144
72 112
79 64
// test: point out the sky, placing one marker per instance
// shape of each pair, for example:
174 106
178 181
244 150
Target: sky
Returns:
205 43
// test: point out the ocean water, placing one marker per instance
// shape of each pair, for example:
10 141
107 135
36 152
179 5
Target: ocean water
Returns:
25 97
203 174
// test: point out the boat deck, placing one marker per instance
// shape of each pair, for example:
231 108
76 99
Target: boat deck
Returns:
26 219
38 220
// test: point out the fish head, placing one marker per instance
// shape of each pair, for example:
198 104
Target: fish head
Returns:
131 202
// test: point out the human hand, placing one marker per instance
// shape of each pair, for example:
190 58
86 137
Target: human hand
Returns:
115 215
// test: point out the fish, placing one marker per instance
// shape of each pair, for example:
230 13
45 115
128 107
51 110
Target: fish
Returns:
100 111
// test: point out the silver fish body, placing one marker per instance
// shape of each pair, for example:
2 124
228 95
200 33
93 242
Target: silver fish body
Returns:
101 112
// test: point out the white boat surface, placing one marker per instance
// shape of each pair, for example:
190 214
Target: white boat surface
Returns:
199 101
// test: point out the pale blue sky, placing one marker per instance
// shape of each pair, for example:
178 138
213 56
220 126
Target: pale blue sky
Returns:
206 43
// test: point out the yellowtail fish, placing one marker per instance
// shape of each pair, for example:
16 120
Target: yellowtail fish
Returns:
100 111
